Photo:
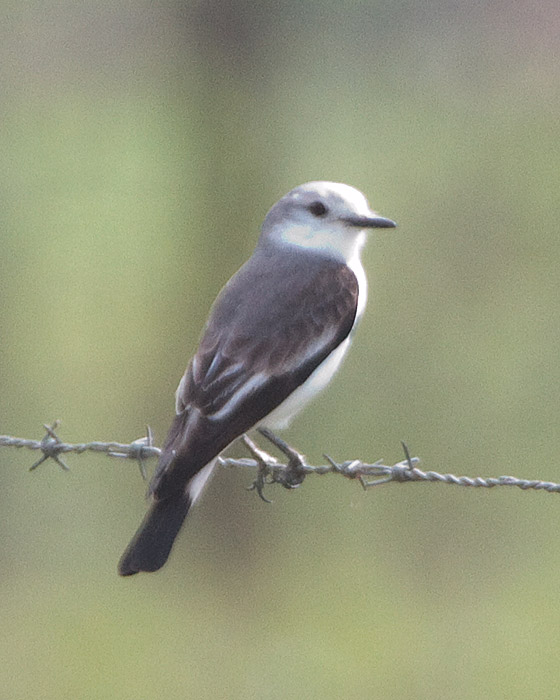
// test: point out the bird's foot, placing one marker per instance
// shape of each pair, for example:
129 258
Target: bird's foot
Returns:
294 473
265 463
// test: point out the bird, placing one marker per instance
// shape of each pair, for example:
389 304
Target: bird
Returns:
275 337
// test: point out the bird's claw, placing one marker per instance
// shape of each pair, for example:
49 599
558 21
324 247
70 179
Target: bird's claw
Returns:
295 473
264 464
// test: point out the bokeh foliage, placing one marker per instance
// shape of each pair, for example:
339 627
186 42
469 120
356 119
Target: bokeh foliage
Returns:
142 144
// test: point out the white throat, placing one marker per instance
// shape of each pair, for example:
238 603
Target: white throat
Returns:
332 242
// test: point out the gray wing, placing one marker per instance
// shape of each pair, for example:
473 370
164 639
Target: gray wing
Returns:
252 356
247 351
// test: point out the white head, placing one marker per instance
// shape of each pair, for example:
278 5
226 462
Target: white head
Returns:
326 217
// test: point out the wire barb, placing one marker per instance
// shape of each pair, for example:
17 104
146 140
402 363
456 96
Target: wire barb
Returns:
137 450
51 447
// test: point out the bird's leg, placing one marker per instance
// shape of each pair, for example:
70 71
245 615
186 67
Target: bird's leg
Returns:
265 462
294 474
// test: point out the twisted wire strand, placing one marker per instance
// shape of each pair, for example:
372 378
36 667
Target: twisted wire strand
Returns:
110 448
273 471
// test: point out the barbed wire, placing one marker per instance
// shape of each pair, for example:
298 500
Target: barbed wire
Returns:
52 447
289 474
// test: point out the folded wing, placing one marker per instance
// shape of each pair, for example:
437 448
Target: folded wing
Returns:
255 351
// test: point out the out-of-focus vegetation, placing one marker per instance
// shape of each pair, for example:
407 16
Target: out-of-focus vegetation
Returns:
142 144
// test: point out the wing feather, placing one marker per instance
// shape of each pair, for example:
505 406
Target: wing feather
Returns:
256 346
253 355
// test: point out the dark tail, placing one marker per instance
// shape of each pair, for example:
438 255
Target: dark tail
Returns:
149 548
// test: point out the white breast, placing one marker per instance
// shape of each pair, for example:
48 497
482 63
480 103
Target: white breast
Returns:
315 383
355 264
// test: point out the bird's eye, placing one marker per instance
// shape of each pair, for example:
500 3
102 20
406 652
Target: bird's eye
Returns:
317 209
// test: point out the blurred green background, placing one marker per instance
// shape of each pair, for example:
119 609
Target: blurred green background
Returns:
142 144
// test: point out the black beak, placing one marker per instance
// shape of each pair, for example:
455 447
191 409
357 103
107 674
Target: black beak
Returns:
370 222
